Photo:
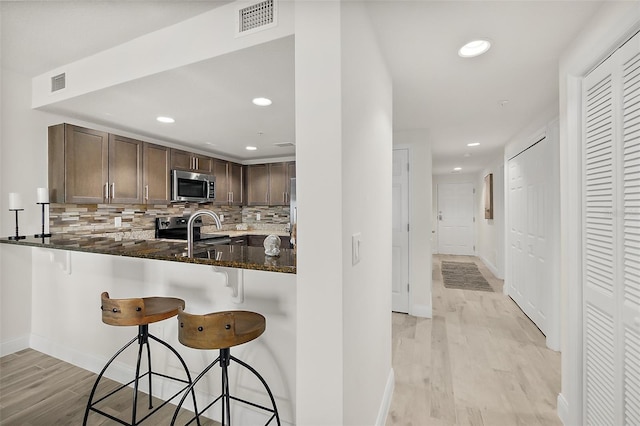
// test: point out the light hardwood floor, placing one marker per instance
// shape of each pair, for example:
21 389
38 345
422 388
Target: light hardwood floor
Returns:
478 361
38 390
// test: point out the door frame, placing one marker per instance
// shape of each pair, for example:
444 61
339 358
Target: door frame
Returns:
409 215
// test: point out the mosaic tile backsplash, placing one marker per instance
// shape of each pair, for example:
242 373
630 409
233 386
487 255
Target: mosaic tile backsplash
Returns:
138 221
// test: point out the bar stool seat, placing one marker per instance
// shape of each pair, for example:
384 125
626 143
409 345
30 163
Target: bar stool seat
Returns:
139 312
223 330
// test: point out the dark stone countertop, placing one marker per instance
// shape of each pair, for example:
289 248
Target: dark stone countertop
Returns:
229 256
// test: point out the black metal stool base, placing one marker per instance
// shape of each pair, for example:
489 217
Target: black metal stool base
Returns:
143 340
224 360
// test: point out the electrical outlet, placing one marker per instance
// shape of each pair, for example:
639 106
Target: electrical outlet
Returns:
258 217
221 218
356 241
117 222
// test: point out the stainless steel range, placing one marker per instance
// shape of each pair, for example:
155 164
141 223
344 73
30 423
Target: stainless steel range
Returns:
175 228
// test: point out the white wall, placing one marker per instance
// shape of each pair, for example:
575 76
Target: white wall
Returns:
366 209
490 243
613 23
23 168
420 219
343 154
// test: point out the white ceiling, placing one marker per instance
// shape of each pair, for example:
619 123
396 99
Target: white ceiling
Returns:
455 101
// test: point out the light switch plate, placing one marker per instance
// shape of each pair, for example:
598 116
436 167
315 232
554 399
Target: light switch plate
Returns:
221 218
356 241
258 217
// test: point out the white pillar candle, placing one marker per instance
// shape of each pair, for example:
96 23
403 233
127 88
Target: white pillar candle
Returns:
15 201
43 195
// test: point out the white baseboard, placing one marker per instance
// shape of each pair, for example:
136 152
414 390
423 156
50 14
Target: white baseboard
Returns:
422 311
563 409
14 345
385 405
492 268
123 373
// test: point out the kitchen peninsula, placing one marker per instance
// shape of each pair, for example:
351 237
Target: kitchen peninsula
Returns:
69 272
231 256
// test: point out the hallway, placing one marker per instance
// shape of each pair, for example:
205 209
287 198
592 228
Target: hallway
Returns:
478 361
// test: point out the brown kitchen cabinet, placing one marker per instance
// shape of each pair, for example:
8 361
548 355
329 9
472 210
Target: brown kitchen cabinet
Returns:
125 170
156 177
228 183
183 160
258 185
90 167
270 184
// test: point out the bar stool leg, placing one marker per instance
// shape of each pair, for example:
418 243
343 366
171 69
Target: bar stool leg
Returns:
192 390
264 383
226 403
95 384
143 340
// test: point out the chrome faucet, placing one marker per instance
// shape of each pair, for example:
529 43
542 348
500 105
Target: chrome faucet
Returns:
192 219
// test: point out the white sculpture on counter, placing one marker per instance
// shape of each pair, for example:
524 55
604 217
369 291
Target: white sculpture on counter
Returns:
272 245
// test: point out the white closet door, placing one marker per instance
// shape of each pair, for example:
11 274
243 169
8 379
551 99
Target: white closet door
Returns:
631 232
611 257
530 274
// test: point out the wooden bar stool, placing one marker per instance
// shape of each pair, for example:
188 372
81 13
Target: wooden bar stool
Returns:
140 312
222 330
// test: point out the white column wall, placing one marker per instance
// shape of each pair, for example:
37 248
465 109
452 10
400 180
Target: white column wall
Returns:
320 231
366 209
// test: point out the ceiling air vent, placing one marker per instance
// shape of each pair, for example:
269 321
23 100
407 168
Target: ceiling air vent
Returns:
256 16
58 82
284 144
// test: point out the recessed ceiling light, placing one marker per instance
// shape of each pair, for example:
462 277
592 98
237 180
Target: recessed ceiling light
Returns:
457 169
165 119
261 101
473 144
250 148
474 48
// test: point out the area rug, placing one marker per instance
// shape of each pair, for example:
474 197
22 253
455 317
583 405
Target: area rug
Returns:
463 275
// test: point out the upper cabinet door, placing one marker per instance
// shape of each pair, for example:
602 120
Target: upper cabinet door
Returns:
222 183
258 185
86 167
181 160
156 178
235 176
278 184
125 170
202 164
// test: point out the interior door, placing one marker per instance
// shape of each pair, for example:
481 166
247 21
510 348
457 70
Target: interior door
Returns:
529 276
611 256
456 218
400 226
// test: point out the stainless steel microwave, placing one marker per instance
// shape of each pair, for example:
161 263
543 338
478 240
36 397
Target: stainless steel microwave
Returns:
193 187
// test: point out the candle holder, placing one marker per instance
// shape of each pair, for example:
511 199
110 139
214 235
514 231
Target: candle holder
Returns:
42 235
17 236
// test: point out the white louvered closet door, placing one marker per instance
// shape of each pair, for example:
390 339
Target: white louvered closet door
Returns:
611 257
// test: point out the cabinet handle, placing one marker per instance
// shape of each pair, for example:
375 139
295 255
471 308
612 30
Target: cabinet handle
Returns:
106 191
113 190
284 197
197 161
146 192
